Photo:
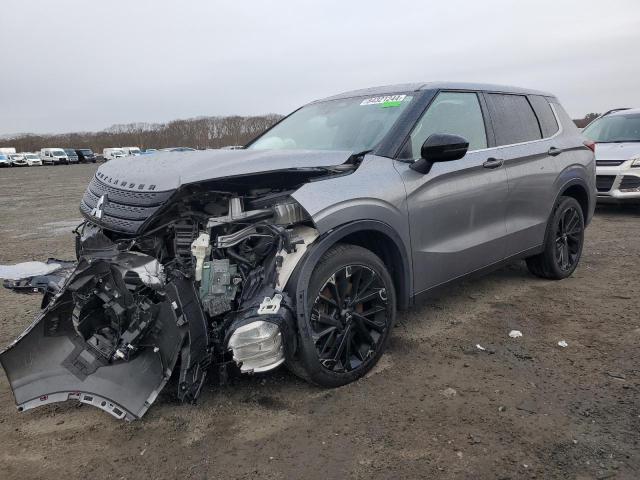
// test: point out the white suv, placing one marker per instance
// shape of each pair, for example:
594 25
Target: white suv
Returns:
617 137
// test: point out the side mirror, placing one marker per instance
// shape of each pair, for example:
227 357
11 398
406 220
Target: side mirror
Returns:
440 147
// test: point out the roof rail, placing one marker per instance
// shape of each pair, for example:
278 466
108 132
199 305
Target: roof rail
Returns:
615 110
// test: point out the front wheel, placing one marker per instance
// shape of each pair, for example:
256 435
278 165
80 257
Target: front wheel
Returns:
349 317
563 242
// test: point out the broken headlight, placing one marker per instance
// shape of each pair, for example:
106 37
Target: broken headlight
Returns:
257 346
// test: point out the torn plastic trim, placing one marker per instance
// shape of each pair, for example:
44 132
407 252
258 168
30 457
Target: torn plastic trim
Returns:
51 361
303 238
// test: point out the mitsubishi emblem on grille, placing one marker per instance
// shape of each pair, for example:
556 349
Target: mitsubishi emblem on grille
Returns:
97 211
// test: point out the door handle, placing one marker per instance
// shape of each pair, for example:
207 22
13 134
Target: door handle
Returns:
493 163
553 151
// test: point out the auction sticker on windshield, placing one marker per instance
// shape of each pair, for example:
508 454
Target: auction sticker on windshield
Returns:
385 101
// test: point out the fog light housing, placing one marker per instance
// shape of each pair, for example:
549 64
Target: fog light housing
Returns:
257 346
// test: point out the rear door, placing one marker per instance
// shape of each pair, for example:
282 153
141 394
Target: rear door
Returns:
457 210
524 135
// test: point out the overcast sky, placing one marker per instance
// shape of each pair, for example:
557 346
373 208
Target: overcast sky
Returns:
77 65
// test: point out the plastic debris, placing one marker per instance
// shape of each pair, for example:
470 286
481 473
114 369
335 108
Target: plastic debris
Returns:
480 347
27 269
563 344
449 392
515 333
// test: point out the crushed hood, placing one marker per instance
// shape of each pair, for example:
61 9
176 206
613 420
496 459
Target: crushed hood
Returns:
169 170
617 151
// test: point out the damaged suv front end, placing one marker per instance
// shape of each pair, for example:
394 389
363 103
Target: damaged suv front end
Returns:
186 265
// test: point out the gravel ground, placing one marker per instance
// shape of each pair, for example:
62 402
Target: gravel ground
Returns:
434 407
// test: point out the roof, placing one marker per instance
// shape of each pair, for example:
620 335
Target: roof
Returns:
625 111
415 87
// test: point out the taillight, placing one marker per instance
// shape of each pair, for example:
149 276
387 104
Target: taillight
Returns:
590 145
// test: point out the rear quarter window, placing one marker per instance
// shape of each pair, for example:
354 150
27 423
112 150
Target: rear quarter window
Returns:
546 117
513 119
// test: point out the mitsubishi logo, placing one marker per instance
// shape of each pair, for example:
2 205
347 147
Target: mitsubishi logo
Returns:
97 211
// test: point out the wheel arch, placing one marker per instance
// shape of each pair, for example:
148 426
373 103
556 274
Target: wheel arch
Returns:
578 189
373 235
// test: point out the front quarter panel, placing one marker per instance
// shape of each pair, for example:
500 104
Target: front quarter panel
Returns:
373 192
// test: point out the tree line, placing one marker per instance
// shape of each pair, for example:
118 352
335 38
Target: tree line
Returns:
199 133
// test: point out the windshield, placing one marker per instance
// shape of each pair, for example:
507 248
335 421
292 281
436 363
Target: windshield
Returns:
354 124
70 152
134 150
86 152
31 156
615 129
58 153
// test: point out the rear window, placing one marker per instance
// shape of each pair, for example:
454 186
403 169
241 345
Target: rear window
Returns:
513 119
548 122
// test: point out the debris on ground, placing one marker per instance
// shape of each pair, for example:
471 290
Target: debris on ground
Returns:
449 392
563 344
515 333
480 347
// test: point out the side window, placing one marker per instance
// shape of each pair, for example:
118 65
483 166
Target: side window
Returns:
547 119
513 119
456 113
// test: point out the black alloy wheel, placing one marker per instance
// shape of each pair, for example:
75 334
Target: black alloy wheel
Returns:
563 242
349 317
568 235
349 314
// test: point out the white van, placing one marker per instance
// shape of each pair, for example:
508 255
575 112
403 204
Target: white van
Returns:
7 150
53 156
111 153
135 151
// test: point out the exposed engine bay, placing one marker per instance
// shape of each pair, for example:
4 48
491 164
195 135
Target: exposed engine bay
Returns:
193 282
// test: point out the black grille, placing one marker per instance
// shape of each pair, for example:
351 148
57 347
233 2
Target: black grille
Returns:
604 182
123 210
629 182
609 163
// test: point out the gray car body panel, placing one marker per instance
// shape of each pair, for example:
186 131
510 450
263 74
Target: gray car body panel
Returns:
170 170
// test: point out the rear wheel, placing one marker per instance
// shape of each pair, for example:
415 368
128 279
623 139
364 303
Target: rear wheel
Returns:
563 242
349 317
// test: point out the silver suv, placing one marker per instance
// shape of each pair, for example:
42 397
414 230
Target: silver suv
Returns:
617 138
300 248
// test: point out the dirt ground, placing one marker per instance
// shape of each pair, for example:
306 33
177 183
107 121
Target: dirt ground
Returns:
435 407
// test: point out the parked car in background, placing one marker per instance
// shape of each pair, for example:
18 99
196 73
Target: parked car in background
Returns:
4 160
178 149
17 160
300 248
71 155
7 150
32 159
111 153
617 138
133 151
148 151
53 156
86 155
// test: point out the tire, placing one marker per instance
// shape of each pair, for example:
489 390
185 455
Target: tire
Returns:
563 243
337 346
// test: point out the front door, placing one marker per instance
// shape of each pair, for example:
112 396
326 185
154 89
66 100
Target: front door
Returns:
457 210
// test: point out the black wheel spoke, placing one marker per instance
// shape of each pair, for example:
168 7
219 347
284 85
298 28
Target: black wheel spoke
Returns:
328 300
369 323
328 320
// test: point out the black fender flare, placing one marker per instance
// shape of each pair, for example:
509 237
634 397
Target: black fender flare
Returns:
297 284
591 196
